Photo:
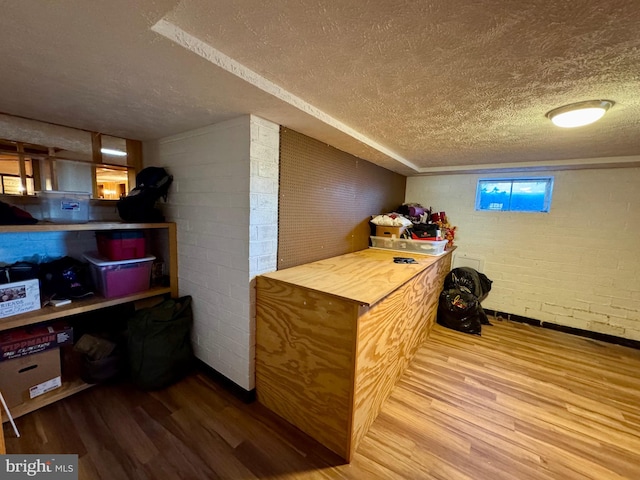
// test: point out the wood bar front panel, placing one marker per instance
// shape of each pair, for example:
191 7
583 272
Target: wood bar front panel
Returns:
305 343
389 335
326 359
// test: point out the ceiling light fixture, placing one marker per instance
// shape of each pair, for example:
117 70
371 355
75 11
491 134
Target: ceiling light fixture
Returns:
579 114
111 151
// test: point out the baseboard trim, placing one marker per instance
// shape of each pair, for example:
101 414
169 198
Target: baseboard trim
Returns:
625 342
247 396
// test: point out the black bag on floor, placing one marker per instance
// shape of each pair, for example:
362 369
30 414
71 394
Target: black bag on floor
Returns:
101 359
159 343
469 280
458 310
477 283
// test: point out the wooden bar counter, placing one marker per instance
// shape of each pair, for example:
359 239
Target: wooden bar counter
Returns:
334 336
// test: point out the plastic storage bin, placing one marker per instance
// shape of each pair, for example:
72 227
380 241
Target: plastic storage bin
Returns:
119 278
64 207
121 244
424 247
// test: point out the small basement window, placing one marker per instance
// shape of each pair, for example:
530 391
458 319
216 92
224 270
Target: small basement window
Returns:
531 194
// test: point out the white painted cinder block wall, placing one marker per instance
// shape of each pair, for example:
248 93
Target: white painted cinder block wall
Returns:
578 265
224 200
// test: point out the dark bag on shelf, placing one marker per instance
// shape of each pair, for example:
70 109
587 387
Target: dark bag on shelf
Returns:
152 183
159 343
425 230
65 277
18 271
12 215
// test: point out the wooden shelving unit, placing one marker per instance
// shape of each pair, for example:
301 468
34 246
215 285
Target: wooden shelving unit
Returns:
46 314
71 386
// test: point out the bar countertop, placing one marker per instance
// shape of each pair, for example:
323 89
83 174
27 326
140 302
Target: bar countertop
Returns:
366 276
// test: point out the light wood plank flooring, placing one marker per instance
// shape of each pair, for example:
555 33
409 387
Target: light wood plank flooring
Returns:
519 402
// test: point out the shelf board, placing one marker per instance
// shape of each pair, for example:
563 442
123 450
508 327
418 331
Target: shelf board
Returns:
67 388
75 307
78 227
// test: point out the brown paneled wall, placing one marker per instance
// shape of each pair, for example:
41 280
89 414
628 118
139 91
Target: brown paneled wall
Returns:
327 198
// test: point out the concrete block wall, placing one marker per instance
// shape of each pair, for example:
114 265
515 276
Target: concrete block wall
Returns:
578 265
223 184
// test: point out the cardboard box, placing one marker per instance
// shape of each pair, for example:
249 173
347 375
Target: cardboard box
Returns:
34 339
19 297
384 231
28 377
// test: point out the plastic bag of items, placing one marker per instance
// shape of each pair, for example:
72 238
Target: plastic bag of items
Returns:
391 220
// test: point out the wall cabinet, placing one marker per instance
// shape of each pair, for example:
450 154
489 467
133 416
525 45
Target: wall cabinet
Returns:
164 239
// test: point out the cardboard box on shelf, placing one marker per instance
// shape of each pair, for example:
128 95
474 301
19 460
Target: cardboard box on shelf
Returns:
19 297
386 231
28 377
32 339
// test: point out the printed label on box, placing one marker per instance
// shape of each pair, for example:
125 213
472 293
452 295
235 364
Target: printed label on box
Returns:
63 337
45 387
28 347
34 339
69 205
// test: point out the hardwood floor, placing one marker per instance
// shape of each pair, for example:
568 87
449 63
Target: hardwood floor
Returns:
519 402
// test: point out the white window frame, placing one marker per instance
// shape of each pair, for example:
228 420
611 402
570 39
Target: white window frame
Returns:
547 200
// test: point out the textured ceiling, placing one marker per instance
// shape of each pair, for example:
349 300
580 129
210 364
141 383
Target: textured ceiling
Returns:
415 86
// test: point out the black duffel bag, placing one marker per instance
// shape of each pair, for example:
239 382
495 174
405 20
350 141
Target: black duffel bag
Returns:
159 343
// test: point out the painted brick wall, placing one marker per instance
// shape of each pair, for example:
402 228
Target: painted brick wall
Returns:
221 201
263 224
578 265
46 246
42 247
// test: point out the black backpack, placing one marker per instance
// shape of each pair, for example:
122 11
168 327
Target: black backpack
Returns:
152 183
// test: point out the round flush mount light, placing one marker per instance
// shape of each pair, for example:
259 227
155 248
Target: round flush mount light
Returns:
579 114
